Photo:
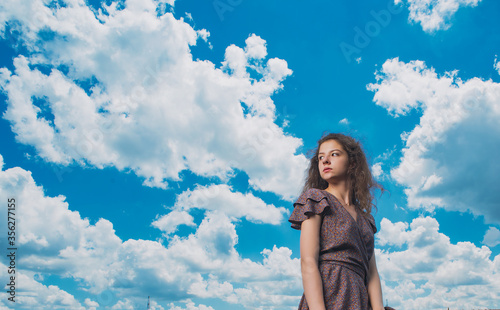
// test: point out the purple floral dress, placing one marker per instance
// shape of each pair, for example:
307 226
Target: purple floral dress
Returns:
346 246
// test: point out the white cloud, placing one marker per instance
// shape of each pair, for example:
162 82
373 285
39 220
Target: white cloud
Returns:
190 305
125 304
219 198
448 159
256 48
31 294
344 121
492 237
153 305
496 65
377 170
435 15
90 304
204 264
393 234
150 107
422 269
169 222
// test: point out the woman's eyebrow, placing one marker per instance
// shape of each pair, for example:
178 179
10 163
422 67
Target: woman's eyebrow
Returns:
330 151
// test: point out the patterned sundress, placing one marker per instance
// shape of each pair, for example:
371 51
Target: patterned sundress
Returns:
346 246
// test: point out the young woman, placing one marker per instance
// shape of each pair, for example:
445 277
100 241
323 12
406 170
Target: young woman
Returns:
336 240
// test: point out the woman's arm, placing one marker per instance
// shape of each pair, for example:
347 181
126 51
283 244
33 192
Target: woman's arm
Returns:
374 287
309 254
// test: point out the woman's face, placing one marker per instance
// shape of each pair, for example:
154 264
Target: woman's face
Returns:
333 161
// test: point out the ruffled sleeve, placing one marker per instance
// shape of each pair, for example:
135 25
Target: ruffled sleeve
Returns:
312 201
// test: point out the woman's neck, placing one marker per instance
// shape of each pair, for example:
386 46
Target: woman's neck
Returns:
340 190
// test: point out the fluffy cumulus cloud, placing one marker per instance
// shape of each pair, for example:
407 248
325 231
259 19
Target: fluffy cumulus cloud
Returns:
448 159
90 304
421 269
119 87
31 294
492 237
190 305
120 273
435 15
219 197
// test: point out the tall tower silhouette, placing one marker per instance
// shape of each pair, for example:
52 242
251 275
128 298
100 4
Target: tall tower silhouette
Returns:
148 304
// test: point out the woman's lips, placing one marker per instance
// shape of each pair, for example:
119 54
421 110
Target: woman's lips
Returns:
327 169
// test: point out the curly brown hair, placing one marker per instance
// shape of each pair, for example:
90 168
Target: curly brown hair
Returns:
362 182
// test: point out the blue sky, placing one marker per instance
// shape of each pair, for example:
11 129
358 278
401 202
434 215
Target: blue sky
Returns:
155 148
